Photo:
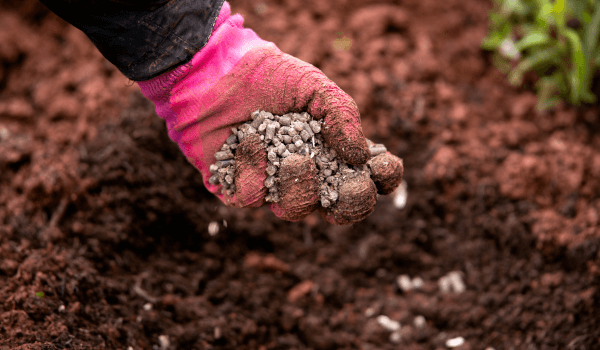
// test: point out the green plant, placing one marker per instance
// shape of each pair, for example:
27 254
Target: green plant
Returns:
557 39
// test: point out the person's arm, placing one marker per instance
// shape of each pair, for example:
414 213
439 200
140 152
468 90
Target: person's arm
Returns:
206 73
142 38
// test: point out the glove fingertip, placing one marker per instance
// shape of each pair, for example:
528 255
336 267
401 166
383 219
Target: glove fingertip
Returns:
286 214
356 152
357 198
386 172
250 175
298 188
347 140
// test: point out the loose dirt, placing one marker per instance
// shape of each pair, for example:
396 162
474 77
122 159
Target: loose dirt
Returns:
104 239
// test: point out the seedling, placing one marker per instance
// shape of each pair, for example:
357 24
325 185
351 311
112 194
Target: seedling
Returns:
556 39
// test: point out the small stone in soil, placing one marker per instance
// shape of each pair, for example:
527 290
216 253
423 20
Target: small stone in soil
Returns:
455 342
419 321
388 323
452 282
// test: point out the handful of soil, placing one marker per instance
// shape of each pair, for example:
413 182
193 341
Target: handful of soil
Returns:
283 136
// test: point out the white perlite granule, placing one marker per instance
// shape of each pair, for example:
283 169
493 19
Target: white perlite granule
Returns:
213 228
388 323
164 341
455 342
452 282
419 322
401 195
283 136
405 283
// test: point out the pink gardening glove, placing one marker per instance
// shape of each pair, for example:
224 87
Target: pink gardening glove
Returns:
237 73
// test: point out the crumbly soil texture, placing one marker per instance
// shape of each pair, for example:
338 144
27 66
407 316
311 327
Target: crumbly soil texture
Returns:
108 239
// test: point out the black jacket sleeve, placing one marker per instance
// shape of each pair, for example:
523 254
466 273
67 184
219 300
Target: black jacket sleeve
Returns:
142 38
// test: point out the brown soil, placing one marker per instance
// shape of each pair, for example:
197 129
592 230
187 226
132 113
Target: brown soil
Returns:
101 213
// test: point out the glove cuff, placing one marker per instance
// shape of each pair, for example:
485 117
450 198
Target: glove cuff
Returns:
178 94
164 82
228 43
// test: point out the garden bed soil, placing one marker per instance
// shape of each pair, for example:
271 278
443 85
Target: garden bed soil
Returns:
104 239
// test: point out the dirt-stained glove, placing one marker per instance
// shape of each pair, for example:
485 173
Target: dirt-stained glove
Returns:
235 74
357 196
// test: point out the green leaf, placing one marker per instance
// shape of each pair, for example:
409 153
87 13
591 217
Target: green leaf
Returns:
548 91
574 55
543 58
577 7
533 39
493 41
577 75
591 33
501 63
544 16
590 43
39 294
514 7
541 3
558 12
588 96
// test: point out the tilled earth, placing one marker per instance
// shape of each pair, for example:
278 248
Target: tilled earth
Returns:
104 239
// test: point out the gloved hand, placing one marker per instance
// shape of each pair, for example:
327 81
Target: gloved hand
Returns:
237 73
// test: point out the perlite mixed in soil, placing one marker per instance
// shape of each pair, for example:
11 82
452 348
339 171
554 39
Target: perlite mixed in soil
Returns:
283 136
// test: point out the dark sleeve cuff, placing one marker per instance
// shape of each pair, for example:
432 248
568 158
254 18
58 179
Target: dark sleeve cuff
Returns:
142 40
